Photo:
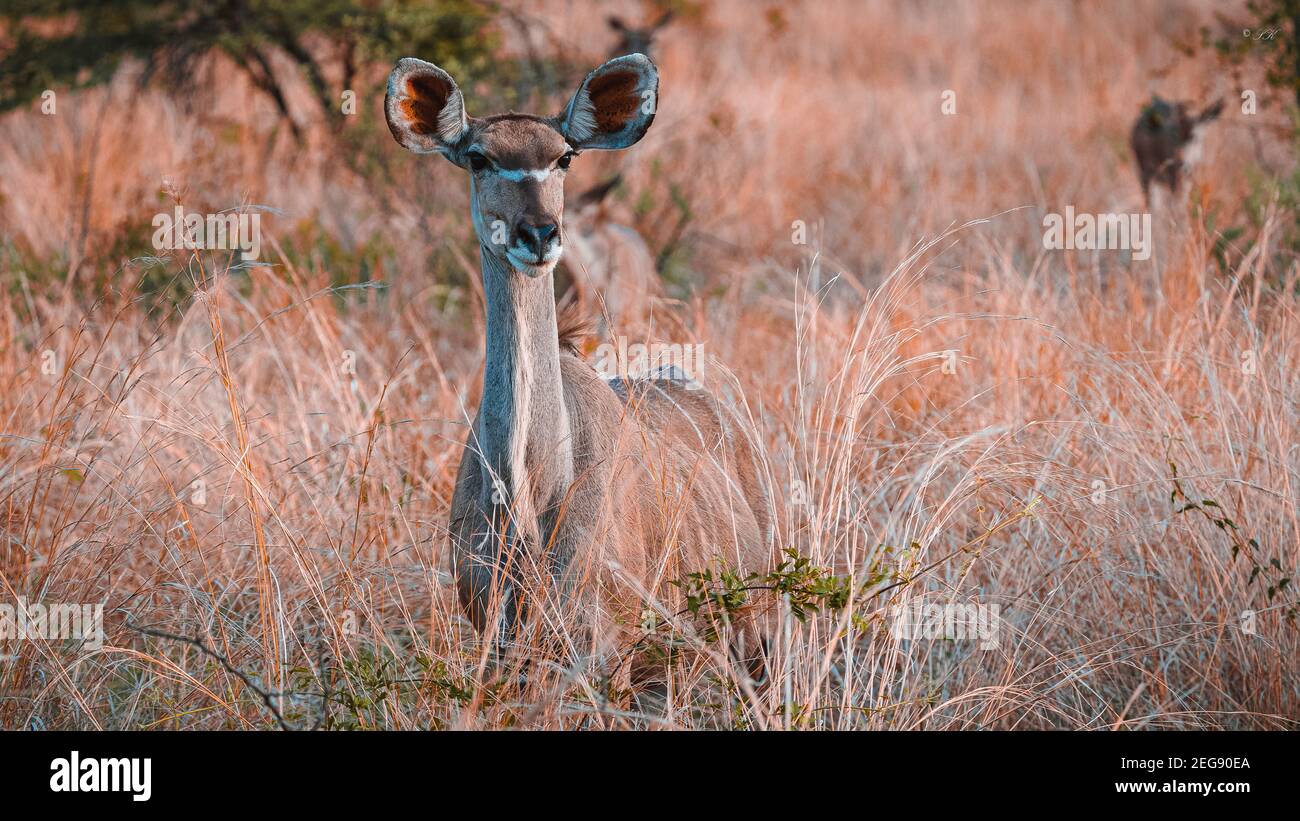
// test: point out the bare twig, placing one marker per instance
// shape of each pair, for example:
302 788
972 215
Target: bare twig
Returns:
266 696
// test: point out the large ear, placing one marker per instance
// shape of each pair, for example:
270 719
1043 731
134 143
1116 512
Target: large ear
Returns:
614 106
1212 111
424 106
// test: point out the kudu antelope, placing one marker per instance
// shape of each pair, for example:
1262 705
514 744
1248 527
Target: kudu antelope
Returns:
577 499
1166 141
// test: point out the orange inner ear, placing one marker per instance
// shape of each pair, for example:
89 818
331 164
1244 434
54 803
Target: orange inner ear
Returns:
614 98
426 94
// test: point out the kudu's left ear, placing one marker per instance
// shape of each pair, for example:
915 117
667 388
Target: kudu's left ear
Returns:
614 106
424 107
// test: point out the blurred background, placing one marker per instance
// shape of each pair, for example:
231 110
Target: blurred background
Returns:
827 112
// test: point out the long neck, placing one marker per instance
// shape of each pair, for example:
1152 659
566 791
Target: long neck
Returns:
524 428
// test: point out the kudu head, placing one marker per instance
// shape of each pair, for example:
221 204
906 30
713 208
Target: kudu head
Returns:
637 39
517 162
1175 122
1166 140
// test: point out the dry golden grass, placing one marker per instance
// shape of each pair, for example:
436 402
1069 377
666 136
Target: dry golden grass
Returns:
325 426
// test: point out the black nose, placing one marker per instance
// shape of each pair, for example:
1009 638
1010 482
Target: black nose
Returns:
535 237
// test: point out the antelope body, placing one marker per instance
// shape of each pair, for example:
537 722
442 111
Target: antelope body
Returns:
577 500
604 255
1166 142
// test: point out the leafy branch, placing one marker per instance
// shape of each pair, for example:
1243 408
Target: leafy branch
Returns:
1241 545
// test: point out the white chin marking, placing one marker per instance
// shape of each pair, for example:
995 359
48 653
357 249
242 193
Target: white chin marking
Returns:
531 269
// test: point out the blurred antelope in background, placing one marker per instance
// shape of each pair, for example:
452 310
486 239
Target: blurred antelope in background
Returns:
606 259
637 39
1167 142
577 499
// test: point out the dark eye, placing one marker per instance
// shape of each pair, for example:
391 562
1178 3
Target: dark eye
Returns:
477 161
564 161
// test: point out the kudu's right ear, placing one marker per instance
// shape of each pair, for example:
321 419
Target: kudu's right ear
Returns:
424 107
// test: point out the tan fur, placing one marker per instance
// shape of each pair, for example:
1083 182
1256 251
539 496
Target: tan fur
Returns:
573 328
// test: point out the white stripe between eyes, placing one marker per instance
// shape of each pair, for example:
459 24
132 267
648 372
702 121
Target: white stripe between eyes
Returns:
518 174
